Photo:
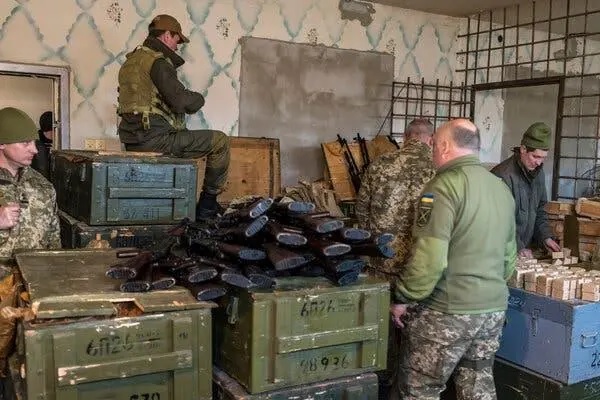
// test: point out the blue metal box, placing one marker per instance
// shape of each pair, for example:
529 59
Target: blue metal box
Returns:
555 338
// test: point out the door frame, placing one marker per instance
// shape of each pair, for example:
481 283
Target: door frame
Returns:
555 80
61 77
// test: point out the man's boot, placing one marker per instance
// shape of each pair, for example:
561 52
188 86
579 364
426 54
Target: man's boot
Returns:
207 207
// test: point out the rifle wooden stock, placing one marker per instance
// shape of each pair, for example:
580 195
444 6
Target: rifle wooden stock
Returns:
142 280
206 291
243 231
235 278
310 270
294 207
344 278
241 252
353 235
286 236
373 250
316 223
327 248
256 209
161 281
196 274
283 259
130 268
341 265
259 277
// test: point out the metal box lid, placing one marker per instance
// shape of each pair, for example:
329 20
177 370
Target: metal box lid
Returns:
72 283
126 157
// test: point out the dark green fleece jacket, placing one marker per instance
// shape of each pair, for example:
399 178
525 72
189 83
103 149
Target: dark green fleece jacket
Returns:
465 247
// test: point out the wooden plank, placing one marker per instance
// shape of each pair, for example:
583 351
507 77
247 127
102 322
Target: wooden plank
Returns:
588 207
338 169
255 169
559 208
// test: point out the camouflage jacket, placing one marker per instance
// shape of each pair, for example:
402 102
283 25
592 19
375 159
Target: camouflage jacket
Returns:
386 201
38 227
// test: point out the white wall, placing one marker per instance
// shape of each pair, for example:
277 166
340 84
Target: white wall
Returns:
30 94
93 36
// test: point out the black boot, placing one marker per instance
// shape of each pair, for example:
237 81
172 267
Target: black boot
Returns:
207 207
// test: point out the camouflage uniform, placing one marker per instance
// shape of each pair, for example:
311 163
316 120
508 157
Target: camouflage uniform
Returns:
386 203
38 227
387 199
467 342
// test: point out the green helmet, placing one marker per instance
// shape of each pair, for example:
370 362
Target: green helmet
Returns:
16 126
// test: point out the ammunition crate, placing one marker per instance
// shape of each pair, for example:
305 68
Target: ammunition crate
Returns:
305 330
75 234
514 382
536 323
124 188
360 387
89 341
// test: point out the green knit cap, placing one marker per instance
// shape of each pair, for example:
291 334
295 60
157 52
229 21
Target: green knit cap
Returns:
16 126
537 136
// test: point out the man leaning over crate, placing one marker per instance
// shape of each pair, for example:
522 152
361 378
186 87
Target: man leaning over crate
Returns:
28 215
153 103
452 295
524 175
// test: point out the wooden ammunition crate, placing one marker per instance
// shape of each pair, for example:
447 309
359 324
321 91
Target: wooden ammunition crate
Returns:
536 324
515 382
75 234
124 188
359 387
90 341
303 331
255 169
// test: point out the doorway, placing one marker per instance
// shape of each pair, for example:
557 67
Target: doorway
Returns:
36 89
505 113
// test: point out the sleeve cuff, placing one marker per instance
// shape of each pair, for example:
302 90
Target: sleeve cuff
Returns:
400 299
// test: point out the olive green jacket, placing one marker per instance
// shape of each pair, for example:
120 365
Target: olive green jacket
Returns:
464 249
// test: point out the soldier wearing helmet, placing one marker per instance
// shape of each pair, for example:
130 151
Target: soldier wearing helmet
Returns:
153 103
28 212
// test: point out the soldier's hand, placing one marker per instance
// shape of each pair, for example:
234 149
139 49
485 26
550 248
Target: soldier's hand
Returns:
526 253
551 245
398 311
9 215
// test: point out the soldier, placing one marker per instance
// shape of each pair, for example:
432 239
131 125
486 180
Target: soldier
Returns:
28 213
525 177
452 296
153 103
386 203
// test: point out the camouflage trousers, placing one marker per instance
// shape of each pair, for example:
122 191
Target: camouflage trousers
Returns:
435 346
194 144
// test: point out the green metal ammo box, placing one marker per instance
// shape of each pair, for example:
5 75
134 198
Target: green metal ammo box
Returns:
89 341
124 188
358 387
75 234
305 330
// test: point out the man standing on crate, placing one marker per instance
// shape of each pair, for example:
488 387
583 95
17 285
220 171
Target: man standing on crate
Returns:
386 203
153 103
28 215
525 177
452 295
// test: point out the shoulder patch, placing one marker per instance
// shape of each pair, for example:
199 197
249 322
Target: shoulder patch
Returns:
424 211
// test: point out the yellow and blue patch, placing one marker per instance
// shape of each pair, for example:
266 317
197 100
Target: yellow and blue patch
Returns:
425 207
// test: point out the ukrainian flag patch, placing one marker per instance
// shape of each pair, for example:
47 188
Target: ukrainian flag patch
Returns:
425 207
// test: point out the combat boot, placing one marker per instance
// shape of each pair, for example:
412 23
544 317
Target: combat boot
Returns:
207 207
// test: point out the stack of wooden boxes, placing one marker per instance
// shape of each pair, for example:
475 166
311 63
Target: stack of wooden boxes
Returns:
576 225
550 347
126 199
305 339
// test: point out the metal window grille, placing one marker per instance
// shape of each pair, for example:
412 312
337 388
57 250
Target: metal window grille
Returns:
548 39
433 101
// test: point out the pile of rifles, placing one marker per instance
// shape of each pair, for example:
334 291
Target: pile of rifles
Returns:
249 248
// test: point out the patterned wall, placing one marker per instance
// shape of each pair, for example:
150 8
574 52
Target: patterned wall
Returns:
93 36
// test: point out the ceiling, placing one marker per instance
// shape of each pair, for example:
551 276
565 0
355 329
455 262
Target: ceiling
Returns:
457 8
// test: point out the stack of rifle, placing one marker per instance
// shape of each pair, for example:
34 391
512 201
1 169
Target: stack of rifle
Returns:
353 169
249 247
